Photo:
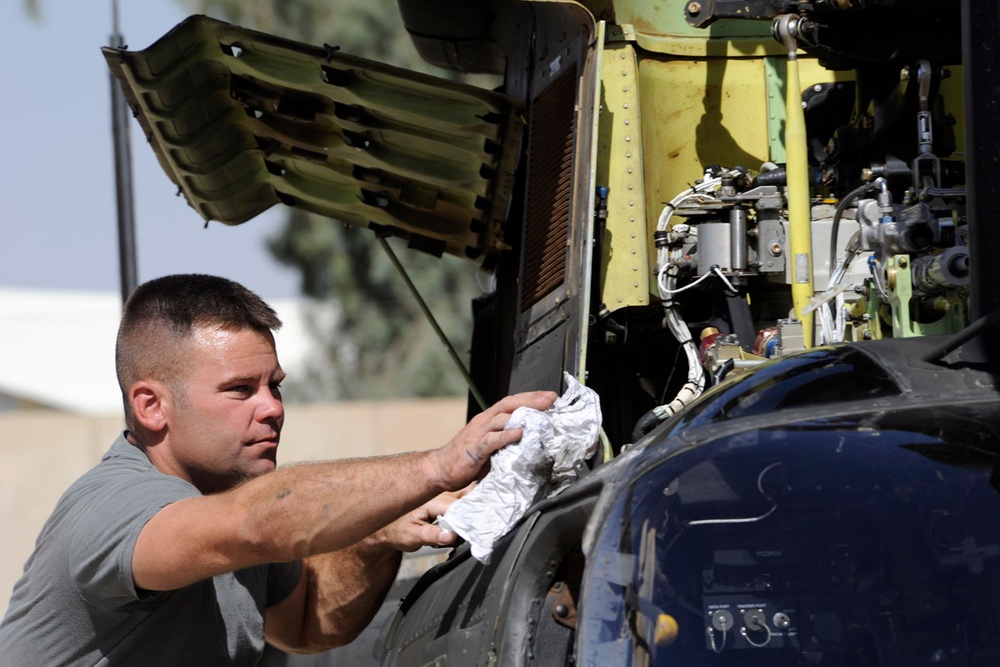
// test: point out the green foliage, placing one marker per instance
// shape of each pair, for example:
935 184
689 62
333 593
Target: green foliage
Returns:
33 9
377 342
369 28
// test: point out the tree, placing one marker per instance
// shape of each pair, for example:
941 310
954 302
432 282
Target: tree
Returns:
32 8
376 340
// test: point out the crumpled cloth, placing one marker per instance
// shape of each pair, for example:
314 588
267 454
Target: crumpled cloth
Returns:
537 466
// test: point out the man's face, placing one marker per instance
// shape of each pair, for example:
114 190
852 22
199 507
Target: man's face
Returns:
225 418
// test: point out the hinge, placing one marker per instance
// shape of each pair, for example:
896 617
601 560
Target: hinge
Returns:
620 33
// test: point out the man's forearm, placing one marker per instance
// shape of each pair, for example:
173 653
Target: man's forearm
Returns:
346 589
310 509
338 595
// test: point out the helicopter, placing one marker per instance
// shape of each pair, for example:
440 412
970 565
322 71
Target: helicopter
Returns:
759 230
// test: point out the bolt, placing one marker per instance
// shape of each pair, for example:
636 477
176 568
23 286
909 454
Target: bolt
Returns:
694 8
562 611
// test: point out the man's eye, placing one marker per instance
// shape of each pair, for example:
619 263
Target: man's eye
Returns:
240 388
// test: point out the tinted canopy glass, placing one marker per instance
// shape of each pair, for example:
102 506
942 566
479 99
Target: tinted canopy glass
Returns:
803 546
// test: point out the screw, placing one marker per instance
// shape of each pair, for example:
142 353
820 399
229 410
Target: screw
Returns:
694 7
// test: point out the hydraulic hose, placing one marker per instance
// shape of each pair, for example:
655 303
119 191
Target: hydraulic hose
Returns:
838 215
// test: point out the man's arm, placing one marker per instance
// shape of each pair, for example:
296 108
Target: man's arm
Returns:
340 592
336 598
310 509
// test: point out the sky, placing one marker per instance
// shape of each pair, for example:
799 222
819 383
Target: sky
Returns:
57 184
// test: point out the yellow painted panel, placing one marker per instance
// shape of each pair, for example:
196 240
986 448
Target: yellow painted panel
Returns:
625 261
697 113
700 112
660 26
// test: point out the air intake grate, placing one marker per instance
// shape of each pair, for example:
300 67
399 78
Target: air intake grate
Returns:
550 172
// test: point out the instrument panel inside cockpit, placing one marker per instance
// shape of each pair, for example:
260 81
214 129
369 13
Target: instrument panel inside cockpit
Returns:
799 546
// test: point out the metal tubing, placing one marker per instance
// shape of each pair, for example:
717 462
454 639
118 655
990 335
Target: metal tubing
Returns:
738 238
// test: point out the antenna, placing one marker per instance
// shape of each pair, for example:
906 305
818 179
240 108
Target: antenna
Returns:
123 173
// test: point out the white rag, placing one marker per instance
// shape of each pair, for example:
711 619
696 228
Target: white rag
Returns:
537 466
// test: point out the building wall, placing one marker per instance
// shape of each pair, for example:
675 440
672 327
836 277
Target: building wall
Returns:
42 452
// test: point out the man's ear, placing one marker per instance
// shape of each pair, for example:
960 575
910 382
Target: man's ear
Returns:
149 400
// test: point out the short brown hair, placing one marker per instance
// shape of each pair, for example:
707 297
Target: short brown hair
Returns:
163 312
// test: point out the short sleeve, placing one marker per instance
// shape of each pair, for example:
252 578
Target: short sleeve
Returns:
109 515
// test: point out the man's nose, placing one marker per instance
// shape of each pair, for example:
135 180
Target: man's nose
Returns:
272 406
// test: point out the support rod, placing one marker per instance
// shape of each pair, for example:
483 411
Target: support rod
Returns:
797 167
433 322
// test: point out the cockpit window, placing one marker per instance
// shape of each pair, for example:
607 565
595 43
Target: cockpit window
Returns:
801 547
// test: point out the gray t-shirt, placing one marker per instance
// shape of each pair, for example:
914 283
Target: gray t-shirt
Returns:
76 603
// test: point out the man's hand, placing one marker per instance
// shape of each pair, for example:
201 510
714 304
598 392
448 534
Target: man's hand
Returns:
463 459
416 529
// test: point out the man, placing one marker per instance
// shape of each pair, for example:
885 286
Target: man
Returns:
185 546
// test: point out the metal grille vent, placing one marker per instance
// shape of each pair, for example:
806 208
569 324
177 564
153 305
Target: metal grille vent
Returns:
550 172
242 120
